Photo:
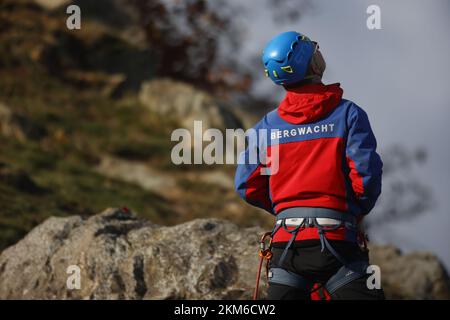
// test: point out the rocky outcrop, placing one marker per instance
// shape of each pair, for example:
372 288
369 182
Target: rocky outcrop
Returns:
158 181
137 173
122 257
417 275
186 103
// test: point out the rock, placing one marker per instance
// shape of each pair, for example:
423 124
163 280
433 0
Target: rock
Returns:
215 177
184 102
122 257
156 180
417 275
137 173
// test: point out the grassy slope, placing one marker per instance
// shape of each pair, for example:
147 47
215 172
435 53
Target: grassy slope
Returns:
80 128
81 125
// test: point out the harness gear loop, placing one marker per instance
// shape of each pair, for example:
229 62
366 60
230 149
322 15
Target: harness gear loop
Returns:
264 253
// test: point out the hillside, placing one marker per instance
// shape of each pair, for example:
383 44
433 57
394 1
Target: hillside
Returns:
78 134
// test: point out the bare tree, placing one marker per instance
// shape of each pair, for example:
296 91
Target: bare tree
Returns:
184 37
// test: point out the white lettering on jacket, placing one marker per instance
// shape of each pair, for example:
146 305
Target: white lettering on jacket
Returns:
301 131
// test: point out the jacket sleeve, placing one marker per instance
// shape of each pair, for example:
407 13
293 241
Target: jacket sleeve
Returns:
251 185
364 163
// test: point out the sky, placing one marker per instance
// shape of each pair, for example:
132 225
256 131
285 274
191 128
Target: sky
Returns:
398 74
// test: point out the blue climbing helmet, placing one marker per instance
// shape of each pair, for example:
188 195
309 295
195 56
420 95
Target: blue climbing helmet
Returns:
287 56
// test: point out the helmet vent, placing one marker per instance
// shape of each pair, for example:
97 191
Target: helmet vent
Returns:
287 69
289 56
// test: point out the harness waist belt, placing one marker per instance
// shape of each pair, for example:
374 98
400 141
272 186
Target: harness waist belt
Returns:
315 212
320 221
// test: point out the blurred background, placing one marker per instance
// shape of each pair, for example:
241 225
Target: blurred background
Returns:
86 115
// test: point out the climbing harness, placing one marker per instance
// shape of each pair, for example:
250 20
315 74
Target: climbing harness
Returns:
310 217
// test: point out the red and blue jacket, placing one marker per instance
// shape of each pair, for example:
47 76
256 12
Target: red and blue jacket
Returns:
326 158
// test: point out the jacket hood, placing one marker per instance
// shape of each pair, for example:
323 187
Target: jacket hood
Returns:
309 103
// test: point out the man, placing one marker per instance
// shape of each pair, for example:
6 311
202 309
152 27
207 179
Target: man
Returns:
325 176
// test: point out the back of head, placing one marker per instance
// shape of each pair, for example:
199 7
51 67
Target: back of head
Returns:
292 59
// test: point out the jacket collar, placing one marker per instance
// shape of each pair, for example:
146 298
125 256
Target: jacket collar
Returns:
309 103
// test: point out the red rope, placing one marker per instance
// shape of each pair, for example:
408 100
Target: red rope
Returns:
258 277
264 254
